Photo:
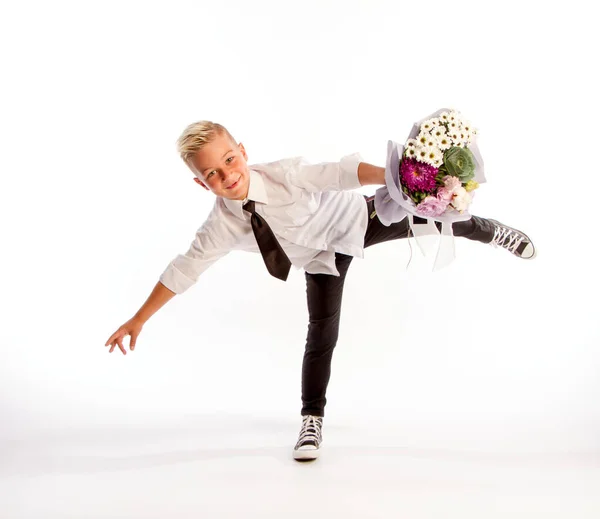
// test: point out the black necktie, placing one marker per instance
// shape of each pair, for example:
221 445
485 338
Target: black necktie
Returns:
276 260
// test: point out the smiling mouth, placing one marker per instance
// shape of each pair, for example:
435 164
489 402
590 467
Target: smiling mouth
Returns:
234 184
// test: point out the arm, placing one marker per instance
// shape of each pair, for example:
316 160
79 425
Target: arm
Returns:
347 174
156 300
213 240
216 237
369 174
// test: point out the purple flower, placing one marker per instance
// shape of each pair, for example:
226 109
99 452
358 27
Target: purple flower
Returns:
432 206
417 176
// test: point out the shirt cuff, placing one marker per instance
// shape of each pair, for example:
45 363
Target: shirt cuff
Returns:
349 171
175 280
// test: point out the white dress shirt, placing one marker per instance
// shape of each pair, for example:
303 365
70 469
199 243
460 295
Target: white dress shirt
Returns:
310 208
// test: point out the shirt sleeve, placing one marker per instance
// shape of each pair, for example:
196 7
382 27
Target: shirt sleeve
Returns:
213 240
327 176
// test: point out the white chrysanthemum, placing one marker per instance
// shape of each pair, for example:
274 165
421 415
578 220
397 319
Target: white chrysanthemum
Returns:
422 138
455 135
412 143
433 154
467 126
430 141
411 153
453 116
438 132
429 124
430 155
444 117
421 154
444 142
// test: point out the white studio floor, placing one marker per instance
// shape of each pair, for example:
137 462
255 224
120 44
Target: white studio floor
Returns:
234 466
497 421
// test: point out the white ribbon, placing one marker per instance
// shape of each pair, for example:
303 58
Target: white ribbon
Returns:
446 251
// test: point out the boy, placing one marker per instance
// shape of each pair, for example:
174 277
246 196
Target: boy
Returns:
293 214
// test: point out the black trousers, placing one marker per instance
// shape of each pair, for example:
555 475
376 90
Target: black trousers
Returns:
324 297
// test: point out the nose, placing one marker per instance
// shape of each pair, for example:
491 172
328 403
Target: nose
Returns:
226 174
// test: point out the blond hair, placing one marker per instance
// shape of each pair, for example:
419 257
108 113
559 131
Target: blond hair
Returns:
197 135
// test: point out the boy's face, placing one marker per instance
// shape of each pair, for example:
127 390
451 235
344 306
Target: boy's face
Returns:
222 168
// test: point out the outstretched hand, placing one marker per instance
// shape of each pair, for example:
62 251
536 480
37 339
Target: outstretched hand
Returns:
133 327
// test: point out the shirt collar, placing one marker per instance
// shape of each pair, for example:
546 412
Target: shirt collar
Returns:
256 192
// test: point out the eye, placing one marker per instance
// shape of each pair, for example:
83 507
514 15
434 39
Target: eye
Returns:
229 160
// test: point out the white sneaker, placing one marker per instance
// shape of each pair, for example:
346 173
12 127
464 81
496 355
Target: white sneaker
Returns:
310 438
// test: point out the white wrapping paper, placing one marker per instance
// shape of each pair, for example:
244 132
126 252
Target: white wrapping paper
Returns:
393 205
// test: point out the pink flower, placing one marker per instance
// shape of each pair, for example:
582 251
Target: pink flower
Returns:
451 182
451 187
417 176
432 206
445 194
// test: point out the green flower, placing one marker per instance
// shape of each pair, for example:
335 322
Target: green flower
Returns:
459 162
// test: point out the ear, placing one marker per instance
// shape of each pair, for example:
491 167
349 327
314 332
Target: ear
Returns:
199 182
243 150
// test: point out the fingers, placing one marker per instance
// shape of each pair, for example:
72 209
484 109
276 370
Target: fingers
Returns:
116 339
132 341
112 338
118 342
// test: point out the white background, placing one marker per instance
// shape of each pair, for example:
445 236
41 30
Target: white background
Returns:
468 392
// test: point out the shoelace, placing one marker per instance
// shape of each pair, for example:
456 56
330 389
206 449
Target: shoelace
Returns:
311 430
507 238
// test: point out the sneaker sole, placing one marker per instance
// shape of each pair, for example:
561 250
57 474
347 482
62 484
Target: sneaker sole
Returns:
306 455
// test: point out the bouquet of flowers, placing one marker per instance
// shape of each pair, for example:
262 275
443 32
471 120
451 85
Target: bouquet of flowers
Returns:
434 174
